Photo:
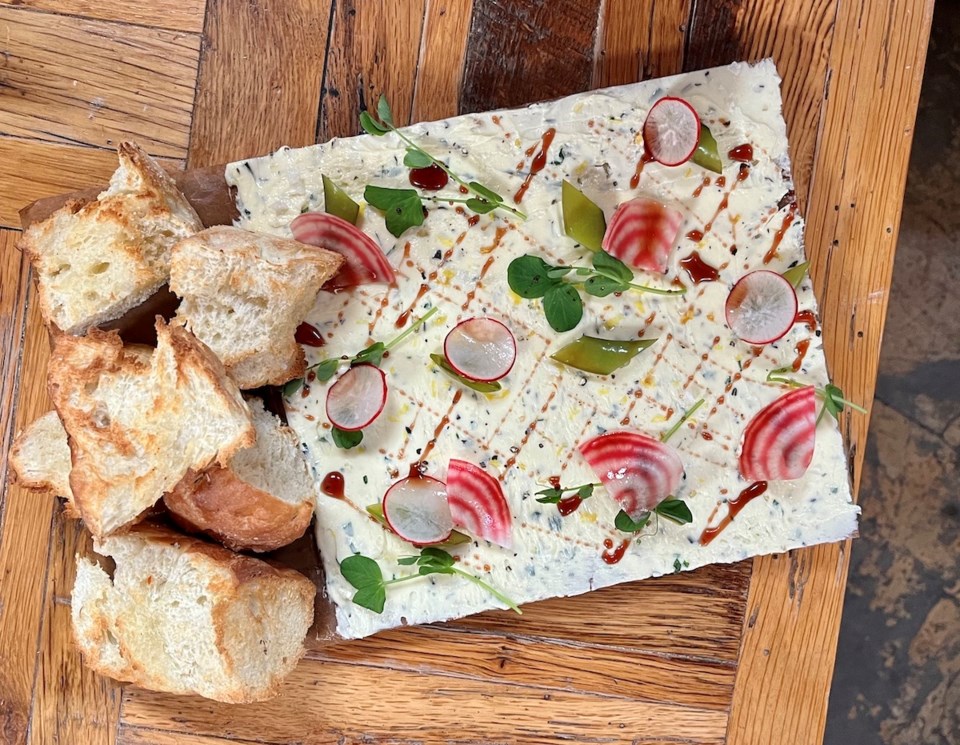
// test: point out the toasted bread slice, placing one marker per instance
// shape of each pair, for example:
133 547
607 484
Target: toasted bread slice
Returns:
136 425
97 260
184 616
261 501
40 458
244 294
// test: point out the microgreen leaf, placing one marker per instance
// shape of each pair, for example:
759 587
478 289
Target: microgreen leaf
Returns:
415 158
480 206
431 554
794 275
476 385
325 369
677 566
383 111
612 266
563 307
361 571
675 510
528 276
371 126
372 598
558 272
346 440
600 286
833 400
402 208
554 494
489 194
292 387
627 524
372 355
831 395
407 560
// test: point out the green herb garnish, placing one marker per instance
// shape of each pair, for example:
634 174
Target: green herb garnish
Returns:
364 574
403 208
672 509
346 440
831 395
531 277
555 493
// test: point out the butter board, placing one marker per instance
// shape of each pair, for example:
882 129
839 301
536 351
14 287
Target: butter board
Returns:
744 219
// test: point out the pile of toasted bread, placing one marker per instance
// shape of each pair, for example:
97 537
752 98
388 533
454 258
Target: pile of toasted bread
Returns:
143 436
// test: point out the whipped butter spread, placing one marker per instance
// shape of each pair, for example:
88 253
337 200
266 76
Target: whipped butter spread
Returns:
528 432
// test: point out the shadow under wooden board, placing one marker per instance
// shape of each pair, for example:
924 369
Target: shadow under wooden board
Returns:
736 654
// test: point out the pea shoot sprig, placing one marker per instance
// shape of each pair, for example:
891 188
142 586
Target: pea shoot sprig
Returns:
324 370
531 277
403 208
831 395
673 509
365 575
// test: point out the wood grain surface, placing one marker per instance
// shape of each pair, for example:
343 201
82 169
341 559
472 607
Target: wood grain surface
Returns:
737 654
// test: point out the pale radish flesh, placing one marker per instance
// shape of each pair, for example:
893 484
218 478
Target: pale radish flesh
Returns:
671 131
416 509
761 307
481 349
641 234
364 262
356 399
778 443
638 471
477 503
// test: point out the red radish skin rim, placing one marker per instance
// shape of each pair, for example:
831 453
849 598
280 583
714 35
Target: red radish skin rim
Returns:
386 510
332 393
696 140
464 373
787 324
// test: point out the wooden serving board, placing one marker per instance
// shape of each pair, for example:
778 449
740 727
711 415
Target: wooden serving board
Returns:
735 654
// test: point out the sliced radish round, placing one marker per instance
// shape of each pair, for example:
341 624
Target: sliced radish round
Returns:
778 443
364 262
761 307
416 509
671 131
480 349
477 503
638 471
641 233
357 398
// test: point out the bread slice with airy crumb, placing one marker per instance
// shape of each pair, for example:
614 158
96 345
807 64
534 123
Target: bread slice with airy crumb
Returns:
261 500
244 294
40 458
137 424
95 261
184 616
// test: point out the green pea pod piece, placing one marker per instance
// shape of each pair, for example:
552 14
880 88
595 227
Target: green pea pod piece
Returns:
706 155
480 386
600 356
337 202
582 219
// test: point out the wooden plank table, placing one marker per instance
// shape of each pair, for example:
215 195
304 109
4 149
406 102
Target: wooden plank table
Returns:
740 654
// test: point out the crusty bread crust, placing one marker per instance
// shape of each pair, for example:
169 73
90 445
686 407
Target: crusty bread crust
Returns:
95 260
249 606
244 294
136 424
242 517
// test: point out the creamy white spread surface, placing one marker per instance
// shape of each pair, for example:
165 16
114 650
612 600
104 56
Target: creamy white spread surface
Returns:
529 432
